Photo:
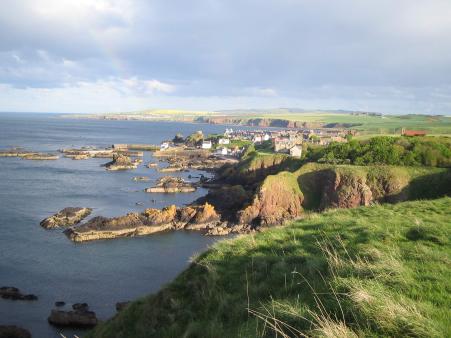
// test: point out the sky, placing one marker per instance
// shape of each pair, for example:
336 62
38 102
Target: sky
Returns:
87 56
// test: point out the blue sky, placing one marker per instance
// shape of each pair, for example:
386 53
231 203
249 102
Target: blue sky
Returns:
123 55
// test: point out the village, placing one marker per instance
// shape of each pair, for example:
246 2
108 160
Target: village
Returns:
233 142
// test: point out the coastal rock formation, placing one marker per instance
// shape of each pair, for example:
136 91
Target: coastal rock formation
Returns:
201 217
28 155
345 190
79 317
204 218
122 162
169 184
10 292
66 217
12 331
277 199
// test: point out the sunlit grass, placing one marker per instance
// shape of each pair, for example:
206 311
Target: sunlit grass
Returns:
376 271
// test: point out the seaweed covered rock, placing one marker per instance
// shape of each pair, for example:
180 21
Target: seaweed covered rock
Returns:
277 199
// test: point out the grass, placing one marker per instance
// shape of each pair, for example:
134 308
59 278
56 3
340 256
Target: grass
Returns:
366 124
378 271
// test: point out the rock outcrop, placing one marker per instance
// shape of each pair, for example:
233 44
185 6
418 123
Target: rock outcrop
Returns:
345 190
202 217
122 162
169 184
277 199
28 155
12 331
10 292
79 317
66 217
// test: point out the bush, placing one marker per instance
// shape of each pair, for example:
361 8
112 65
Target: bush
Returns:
415 151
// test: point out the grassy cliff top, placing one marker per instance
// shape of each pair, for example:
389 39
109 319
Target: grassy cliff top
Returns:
372 271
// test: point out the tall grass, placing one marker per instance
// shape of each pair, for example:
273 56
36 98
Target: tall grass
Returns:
378 271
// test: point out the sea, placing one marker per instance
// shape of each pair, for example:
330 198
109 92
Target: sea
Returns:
101 273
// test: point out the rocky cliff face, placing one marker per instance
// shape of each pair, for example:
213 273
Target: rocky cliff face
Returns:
345 190
258 122
347 186
277 199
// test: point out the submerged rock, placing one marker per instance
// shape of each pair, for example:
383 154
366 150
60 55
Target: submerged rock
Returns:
141 178
12 331
10 292
169 184
66 217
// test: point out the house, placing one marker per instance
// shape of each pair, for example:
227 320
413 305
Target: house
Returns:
257 139
164 146
407 132
206 145
266 137
296 151
282 144
222 151
223 141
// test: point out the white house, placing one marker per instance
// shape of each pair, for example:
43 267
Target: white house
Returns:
222 151
206 145
296 151
223 141
164 146
257 139
266 137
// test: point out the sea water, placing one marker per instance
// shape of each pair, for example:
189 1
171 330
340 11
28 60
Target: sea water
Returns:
45 262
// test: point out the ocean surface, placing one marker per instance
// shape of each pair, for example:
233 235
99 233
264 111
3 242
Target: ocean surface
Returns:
45 262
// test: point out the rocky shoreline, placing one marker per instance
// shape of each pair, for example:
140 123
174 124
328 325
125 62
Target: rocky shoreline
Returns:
28 155
201 218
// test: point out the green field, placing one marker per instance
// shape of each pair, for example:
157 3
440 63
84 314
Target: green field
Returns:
379 271
365 123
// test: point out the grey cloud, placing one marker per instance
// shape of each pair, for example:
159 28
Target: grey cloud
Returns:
281 51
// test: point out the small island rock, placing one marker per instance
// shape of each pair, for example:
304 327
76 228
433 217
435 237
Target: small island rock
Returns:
12 331
66 217
10 292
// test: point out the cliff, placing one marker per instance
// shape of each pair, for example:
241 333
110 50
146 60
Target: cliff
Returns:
276 200
347 186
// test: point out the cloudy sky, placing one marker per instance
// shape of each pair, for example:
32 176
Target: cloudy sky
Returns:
123 55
